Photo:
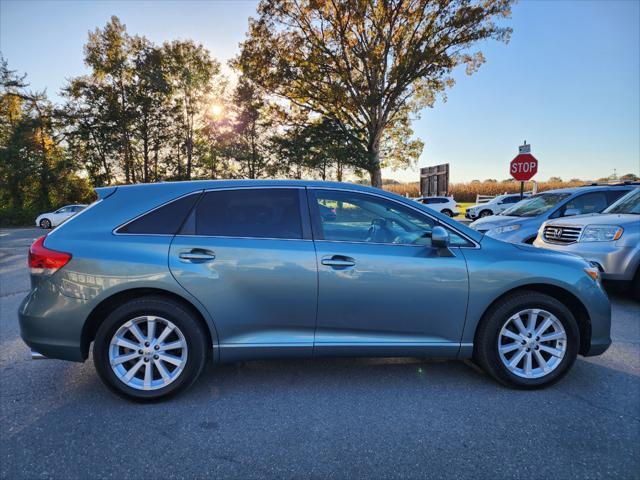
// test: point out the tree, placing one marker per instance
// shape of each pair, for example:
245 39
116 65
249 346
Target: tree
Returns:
191 71
35 172
107 53
150 92
629 177
367 65
249 142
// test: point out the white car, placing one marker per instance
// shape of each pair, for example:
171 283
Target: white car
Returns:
494 206
446 205
53 219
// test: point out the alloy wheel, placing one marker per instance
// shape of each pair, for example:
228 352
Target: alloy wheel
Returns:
532 343
148 353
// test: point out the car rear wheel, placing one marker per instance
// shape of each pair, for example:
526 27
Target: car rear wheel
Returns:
527 340
485 213
447 212
45 223
149 348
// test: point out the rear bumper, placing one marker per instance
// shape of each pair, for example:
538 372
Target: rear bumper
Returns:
51 323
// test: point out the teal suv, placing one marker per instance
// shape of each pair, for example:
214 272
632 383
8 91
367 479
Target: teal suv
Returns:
158 278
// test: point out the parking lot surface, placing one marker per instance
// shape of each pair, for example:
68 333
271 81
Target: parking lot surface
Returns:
336 418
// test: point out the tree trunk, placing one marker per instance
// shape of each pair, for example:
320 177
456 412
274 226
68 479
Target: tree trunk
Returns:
374 169
155 160
145 151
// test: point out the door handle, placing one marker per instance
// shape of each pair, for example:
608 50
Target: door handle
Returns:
338 261
197 256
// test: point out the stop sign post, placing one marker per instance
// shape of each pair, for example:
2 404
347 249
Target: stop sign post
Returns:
524 166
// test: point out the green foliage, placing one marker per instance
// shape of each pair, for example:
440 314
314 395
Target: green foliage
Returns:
35 171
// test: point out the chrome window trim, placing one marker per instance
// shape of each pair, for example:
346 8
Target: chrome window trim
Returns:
226 237
475 245
252 187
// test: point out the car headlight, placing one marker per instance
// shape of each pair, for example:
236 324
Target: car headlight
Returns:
507 228
601 233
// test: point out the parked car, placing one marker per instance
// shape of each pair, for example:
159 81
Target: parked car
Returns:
53 219
160 277
520 223
444 205
611 239
494 206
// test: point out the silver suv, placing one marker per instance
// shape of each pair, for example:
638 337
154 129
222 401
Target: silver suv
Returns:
611 240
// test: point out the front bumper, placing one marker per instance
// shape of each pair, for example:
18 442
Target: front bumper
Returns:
598 308
615 262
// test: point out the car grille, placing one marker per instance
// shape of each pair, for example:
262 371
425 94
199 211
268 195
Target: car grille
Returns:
559 234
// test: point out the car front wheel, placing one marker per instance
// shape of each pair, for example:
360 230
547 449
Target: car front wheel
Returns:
447 212
485 213
149 348
45 223
527 340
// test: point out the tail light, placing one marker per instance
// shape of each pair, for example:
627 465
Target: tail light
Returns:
44 261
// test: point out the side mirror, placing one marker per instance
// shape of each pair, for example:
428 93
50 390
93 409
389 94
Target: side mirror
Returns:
570 212
440 239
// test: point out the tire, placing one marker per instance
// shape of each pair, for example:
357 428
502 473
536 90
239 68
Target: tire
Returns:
45 224
635 286
186 358
485 213
499 318
447 212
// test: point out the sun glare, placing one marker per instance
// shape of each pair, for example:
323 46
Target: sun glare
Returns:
216 110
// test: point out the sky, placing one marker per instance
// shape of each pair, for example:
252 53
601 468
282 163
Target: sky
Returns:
568 82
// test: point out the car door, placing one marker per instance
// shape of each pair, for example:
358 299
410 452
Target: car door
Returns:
247 255
383 290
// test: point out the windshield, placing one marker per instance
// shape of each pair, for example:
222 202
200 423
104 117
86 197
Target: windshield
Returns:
536 205
629 204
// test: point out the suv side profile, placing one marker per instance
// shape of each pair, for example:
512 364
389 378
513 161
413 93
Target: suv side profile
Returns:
444 205
160 277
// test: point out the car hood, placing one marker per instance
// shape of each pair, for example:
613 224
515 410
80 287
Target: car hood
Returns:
488 223
597 219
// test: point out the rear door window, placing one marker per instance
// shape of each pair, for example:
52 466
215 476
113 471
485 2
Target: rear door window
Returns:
250 213
613 195
165 220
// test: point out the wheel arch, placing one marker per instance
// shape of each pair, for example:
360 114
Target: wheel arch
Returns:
564 296
106 306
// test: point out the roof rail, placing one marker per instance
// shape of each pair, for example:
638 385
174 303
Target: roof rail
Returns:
617 184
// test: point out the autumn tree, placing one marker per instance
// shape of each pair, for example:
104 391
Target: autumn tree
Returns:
367 65
191 72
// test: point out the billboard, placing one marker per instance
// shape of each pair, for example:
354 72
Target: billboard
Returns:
434 181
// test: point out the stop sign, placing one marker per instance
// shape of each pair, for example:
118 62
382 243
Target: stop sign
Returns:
523 167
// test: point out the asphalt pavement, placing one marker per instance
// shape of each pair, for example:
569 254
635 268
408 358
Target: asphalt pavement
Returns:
329 418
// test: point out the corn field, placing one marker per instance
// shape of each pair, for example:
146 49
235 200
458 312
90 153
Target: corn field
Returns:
466 192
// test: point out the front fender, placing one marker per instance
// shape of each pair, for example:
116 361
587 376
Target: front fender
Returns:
499 268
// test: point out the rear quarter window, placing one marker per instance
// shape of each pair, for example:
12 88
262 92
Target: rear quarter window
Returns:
164 220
